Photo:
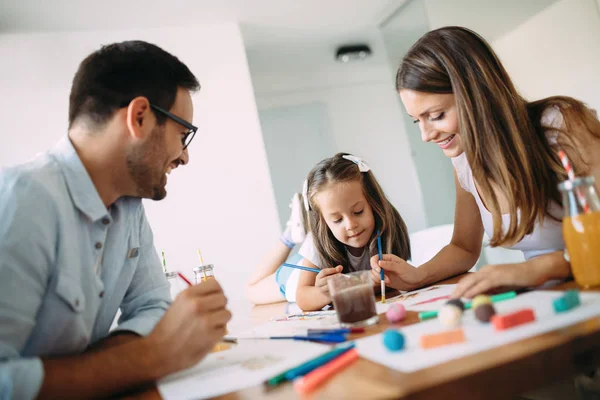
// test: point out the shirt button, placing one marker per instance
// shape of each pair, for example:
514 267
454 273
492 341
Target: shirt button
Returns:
105 221
102 294
98 245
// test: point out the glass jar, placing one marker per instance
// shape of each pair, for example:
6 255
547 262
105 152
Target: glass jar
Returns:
581 229
175 284
203 273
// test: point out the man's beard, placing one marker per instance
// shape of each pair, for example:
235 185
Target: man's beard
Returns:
145 169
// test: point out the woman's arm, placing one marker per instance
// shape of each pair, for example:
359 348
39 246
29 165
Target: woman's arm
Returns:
455 258
313 292
533 272
465 246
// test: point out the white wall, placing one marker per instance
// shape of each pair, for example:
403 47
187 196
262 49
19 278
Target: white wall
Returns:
489 18
556 52
549 47
362 105
434 169
365 120
222 202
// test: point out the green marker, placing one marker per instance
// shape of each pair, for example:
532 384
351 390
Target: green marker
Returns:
427 315
494 299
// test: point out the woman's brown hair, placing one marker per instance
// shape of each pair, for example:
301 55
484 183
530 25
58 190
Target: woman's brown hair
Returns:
394 235
501 133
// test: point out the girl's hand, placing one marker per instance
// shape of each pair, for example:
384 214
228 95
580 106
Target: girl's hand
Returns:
495 276
398 273
323 276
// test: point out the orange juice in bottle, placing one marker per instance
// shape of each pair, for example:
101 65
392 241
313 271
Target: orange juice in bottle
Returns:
581 229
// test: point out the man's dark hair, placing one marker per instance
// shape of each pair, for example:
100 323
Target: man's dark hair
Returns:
111 77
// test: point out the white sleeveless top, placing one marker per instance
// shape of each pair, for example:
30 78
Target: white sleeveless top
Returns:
546 237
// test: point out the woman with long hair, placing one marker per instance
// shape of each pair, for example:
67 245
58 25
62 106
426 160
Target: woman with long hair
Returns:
504 150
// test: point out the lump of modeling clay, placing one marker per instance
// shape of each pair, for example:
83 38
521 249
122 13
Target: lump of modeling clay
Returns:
450 315
395 313
393 340
458 303
484 312
566 302
442 339
507 321
479 300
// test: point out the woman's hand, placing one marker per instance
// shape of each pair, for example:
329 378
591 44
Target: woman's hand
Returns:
494 276
398 273
323 276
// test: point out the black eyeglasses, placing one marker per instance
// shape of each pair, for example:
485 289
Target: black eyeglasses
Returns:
189 135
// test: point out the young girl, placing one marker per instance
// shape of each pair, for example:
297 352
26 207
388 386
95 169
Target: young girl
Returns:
271 282
504 150
346 207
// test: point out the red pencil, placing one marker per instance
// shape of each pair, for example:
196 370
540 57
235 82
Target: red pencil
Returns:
319 375
432 300
184 278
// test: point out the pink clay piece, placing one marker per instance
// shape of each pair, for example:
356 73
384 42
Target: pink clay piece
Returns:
395 313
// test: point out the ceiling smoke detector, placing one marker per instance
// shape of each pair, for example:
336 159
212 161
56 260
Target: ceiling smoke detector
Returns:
352 52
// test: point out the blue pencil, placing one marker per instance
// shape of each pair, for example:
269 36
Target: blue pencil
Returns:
381 273
315 270
325 338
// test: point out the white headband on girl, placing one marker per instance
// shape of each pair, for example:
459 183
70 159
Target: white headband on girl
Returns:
305 195
362 166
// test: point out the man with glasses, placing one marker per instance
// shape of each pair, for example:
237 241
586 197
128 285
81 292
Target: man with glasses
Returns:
75 245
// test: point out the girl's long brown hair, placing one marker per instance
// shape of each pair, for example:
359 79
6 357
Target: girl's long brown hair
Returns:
394 235
501 133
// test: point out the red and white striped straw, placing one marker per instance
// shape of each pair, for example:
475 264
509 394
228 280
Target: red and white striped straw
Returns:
571 174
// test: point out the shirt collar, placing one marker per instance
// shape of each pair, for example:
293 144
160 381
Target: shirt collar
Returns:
79 184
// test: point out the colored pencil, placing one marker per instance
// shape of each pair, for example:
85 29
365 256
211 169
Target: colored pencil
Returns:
325 338
315 270
277 379
316 363
184 278
315 378
335 330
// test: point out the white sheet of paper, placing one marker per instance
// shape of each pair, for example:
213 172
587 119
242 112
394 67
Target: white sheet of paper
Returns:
286 325
479 336
411 300
245 365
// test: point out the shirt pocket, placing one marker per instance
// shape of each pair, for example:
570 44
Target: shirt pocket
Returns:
69 290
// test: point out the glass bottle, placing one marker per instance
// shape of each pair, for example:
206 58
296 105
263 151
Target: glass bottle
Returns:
175 283
581 229
203 273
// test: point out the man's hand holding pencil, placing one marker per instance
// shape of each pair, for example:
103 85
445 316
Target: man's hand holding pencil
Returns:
190 328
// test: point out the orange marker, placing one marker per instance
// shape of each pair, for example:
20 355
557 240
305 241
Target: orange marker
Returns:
507 321
316 377
442 338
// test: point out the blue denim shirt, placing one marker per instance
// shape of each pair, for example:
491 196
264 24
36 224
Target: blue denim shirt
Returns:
67 264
